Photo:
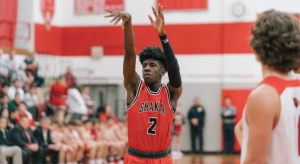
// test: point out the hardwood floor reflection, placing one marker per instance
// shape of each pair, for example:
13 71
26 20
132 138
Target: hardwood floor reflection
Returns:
208 159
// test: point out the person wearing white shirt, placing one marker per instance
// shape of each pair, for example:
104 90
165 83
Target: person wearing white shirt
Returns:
10 62
32 102
14 89
76 104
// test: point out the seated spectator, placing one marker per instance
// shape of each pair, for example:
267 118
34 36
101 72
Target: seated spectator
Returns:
32 102
57 136
112 134
10 62
104 112
33 66
4 78
20 75
70 78
91 146
42 134
15 88
24 113
4 113
87 99
7 147
23 137
14 115
4 102
15 103
4 90
76 104
58 96
72 139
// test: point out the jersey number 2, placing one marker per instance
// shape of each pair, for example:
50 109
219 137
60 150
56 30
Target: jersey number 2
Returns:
151 130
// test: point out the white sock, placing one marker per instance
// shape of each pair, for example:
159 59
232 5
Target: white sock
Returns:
111 158
118 158
99 161
92 162
69 162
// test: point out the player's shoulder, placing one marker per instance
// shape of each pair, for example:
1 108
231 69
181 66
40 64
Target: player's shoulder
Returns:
263 98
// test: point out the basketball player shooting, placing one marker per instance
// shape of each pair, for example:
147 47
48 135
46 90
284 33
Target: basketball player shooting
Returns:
151 104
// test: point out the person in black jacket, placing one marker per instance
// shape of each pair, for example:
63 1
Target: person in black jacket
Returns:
42 134
7 147
196 117
23 137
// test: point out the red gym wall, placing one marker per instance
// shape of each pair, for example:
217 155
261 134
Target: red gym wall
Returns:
185 39
239 99
8 18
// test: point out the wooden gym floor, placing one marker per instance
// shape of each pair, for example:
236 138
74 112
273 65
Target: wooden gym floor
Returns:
208 159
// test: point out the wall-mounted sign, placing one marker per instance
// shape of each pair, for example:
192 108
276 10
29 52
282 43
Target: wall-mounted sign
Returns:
96 6
48 12
183 4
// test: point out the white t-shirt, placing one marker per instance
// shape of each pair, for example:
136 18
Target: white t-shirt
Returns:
76 102
29 100
12 93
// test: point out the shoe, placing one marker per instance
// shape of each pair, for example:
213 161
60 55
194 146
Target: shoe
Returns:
179 154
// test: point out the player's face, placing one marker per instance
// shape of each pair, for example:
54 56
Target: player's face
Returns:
152 71
88 125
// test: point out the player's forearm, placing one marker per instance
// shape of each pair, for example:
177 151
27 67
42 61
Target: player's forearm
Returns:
172 63
129 39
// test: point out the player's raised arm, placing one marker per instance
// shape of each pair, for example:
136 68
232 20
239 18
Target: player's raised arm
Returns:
131 78
175 84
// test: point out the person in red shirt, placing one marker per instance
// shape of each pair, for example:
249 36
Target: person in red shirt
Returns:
70 78
58 96
105 112
176 137
24 113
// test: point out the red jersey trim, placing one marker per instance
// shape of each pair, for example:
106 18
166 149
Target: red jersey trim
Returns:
136 96
280 84
169 100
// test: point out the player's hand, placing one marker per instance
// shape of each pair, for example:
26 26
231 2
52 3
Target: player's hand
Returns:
117 16
159 23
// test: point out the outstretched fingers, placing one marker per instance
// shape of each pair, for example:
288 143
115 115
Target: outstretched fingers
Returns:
118 20
114 18
162 13
150 18
154 12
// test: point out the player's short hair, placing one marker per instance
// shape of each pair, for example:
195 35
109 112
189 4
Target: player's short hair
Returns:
153 52
73 123
276 40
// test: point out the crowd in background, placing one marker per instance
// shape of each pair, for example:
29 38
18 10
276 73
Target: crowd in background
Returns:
64 127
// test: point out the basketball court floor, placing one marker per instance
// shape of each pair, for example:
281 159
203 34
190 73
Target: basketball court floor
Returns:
208 159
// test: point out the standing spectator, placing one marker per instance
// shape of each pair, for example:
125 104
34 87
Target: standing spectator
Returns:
58 96
15 88
4 102
76 104
228 115
23 137
42 134
176 137
32 102
21 76
7 147
104 112
11 62
14 103
4 71
196 117
70 78
87 99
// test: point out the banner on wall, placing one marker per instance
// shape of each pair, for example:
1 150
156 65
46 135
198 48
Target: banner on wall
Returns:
183 4
48 12
96 6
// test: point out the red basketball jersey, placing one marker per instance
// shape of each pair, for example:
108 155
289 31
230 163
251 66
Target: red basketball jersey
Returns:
150 117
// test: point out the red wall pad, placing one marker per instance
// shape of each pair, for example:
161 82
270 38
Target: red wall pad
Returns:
8 18
183 4
239 98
